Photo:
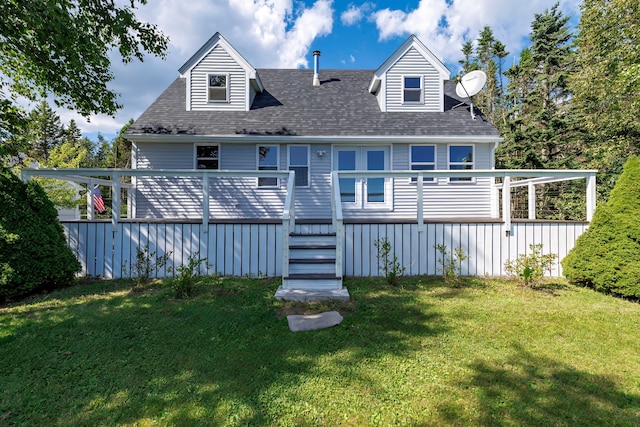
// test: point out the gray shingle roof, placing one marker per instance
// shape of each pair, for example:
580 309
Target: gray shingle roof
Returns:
290 105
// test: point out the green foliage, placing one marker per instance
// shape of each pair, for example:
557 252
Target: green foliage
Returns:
388 263
531 267
607 256
33 251
188 277
146 265
451 264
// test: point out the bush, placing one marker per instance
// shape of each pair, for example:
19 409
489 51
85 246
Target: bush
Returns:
532 267
607 256
34 255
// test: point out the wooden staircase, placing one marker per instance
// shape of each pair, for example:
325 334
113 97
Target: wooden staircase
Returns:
312 262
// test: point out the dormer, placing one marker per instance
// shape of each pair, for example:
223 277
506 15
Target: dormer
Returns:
219 78
411 79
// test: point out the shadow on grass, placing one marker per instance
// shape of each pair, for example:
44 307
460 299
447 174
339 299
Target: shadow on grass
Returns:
537 391
215 359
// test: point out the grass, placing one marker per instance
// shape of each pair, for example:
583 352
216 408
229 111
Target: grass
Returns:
487 353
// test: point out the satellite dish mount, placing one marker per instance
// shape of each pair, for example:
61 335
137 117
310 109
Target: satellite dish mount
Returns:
469 85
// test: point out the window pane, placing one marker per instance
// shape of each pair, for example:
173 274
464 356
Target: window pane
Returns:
423 153
302 175
412 95
268 156
210 151
216 94
298 156
460 153
346 160
412 82
347 189
207 164
217 81
375 190
375 160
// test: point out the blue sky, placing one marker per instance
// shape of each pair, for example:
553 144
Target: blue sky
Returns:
283 33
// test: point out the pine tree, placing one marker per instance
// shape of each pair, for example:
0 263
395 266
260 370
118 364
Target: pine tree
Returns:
541 129
44 132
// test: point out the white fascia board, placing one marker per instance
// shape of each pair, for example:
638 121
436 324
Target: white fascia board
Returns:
288 139
219 40
413 41
375 84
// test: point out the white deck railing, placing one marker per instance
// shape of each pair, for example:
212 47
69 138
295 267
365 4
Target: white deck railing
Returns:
530 178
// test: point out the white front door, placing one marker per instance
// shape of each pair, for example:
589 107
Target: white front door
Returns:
368 193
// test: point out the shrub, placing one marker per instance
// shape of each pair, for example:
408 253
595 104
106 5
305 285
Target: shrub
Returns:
188 277
34 255
388 263
146 264
607 256
531 267
451 264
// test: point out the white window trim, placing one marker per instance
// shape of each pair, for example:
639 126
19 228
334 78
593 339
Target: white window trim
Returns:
429 181
215 101
308 162
421 78
195 155
450 163
277 147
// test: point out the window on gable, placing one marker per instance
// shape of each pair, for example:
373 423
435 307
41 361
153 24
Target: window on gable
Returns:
412 87
268 161
423 158
299 163
207 157
460 158
218 85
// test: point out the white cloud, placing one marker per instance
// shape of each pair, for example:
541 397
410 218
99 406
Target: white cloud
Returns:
269 33
464 20
354 14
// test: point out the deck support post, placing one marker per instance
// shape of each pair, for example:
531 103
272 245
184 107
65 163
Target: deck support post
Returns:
90 200
205 202
420 210
531 200
506 204
591 196
115 200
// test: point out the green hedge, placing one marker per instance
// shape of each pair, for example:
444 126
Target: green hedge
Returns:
607 256
33 252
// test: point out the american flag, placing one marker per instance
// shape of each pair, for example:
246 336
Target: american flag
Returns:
98 204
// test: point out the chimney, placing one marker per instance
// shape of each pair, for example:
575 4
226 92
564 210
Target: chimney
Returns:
316 66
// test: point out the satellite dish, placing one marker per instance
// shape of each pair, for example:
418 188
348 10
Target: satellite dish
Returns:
469 85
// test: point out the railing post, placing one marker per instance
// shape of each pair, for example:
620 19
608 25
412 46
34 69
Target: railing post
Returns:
90 200
420 207
591 196
506 204
205 202
531 201
115 200
339 244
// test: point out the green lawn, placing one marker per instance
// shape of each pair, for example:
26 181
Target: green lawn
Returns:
488 353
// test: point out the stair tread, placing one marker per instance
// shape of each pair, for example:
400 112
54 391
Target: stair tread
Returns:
312 260
312 276
313 246
332 234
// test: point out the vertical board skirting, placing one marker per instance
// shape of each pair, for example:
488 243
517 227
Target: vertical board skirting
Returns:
256 249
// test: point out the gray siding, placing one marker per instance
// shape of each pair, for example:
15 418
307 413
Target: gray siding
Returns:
220 62
413 63
241 197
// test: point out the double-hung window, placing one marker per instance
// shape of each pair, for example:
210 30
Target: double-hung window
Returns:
412 89
218 87
268 161
460 158
299 163
423 158
207 157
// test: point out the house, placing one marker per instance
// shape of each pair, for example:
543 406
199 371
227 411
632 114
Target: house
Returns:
300 173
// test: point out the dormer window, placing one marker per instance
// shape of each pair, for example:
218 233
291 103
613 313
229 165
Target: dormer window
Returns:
218 87
412 89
